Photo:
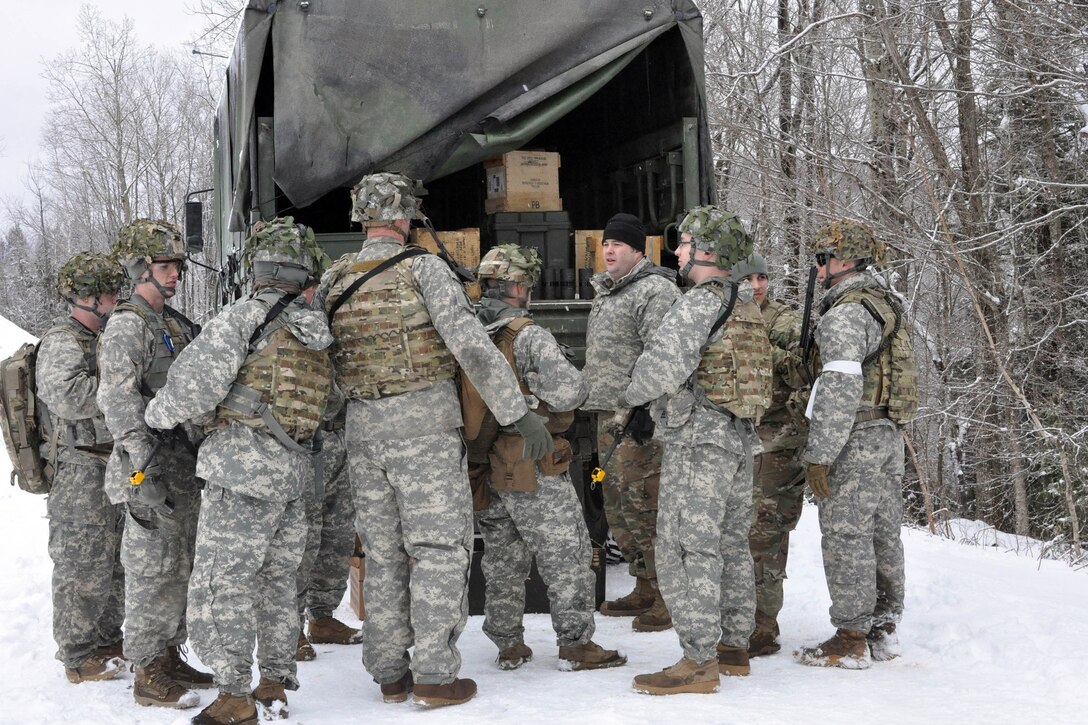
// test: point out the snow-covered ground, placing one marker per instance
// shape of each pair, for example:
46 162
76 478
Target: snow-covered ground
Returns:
988 637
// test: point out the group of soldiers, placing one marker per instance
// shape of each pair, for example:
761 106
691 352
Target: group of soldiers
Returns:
372 397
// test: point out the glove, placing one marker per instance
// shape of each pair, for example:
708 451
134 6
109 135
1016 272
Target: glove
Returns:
641 427
151 493
538 441
817 479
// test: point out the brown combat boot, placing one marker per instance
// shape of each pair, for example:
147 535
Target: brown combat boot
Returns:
846 649
733 661
633 604
457 692
330 630
185 675
94 669
398 691
589 656
764 640
228 710
514 657
154 687
685 676
304 651
271 699
117 649
657 617
883 642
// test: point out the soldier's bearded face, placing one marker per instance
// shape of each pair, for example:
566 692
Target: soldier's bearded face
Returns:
619 258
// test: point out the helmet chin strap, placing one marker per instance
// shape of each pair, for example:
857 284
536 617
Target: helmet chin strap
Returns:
860 264
93 310
693 262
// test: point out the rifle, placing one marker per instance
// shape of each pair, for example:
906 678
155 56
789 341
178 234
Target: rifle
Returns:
807 338
136 478
625 430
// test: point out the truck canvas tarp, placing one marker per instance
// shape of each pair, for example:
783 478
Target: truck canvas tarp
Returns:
430 87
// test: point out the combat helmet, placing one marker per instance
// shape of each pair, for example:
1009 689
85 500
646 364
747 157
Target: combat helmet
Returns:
143 241
89 274
849 239
282 251
385 197
512 263
717 231
754 263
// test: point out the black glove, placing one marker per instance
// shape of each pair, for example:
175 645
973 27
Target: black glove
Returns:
538 441
641 425
151 493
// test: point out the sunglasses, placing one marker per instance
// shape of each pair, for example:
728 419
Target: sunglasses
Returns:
822 257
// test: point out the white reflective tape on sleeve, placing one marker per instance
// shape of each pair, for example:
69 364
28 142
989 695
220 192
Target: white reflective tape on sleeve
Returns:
850 367
812 399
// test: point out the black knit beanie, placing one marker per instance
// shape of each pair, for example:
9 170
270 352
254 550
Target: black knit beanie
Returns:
628 229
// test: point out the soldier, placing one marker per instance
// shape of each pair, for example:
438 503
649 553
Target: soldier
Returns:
709 370
330 535
402 324
866 390
632 296
138 347
780 478
258 378
84 527
533 509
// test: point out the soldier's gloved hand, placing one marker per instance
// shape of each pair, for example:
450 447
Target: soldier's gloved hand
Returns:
538 441
151 493
816 475
641 426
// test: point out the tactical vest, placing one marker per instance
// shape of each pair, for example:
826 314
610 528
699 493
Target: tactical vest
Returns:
386 343
736 369
172 332
282 387
890 373
83 434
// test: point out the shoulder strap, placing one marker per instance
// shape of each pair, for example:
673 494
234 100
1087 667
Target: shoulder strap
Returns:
169 311
407 253
726 312
273 312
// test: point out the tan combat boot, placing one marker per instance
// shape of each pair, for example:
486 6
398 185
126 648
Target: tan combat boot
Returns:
94 669
398 691
883 642
685 676
228 710
154 687
657 617
183 674
514 656
633 604
589 656
271 699
846 649
733 661
454 693
117 649
304 651
330 630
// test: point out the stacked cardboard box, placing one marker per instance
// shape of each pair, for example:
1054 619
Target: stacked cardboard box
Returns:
462 244
523 181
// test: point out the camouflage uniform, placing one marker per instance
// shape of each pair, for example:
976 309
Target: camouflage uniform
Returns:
624 316
410 486
156 549
706 494
861 521
330 531
780 478
252 523
84 526
547 523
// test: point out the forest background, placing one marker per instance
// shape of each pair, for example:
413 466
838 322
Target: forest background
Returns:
957 128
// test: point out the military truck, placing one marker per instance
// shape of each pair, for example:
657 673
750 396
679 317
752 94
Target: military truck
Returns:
321 92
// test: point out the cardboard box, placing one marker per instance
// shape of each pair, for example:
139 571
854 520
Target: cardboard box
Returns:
523 181
586 242
653 251
462 244
356 574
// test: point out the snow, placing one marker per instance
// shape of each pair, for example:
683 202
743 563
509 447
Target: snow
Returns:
988 636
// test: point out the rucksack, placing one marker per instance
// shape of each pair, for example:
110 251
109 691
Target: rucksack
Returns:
22 412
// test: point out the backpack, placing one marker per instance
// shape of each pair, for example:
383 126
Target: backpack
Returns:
20 420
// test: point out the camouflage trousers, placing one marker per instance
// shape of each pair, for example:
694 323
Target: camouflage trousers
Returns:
243 587
861 524
330 535
412 499
85 546
631 483
779 497
705 572
157 553
547 524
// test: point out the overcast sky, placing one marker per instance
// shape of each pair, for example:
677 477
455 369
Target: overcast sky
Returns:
35 32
